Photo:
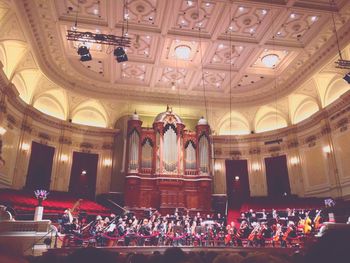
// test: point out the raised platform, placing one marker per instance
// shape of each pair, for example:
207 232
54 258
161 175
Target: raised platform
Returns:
147 250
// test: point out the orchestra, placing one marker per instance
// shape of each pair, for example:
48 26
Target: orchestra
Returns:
252 229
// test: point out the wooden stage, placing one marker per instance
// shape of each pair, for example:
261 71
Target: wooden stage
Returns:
147 250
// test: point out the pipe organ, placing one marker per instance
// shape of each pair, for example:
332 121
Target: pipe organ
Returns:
168 167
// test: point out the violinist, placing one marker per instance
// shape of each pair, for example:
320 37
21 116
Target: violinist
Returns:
111 231
98 230
170 234
187 232
73 233
162 229
144 232
127 232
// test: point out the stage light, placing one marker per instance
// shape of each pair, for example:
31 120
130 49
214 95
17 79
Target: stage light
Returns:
84 53
347 78
120 55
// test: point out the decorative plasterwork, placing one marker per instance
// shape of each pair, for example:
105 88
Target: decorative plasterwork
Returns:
246 20
43 21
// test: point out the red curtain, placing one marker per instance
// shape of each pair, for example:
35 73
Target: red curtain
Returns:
277 176
83 175
237 182
40 167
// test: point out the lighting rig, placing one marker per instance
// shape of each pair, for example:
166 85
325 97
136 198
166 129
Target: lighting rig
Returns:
340 63
119 42
89 37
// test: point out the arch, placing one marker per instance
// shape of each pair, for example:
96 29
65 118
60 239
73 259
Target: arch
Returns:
268 118
305 109
53 103
21 88
238 125
271 121
30 79
49 106
90 113
335 90
12 53
90 117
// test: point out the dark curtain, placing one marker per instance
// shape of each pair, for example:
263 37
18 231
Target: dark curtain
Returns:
237 190
277 176
83 185
40 167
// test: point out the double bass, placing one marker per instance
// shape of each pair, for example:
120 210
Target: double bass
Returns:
72 211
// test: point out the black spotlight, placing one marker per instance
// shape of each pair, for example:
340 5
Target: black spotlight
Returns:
347 78
120 55
84 53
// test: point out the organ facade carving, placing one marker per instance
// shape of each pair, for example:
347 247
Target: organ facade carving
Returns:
168 166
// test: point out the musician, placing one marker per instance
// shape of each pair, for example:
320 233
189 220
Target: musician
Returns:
265 233
170 234
253 238
5 215
274 214
220 219
162 230
66 221
231 234
99 230
289 234
73 233
187 232
277 237
243 217
144 232
110 227
243 232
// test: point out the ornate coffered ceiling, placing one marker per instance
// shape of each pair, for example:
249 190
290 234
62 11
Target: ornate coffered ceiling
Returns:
191 54
216 33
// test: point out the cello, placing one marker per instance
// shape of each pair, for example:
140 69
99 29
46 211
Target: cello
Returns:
228 236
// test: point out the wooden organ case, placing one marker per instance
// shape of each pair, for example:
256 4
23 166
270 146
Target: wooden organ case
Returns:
168 167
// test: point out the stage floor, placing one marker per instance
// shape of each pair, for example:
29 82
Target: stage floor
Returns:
151 249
